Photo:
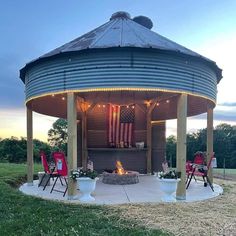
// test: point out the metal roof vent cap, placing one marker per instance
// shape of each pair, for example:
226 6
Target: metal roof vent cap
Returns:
120 14
144 21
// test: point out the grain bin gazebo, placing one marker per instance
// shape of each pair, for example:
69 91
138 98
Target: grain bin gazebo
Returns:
121 63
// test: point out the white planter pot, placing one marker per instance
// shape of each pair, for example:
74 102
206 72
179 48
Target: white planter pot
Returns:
86 186
168 187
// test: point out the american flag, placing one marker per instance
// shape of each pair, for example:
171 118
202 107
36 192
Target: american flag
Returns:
120 125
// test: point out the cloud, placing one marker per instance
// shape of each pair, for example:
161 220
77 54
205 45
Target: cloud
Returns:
226 112
222 114
228 104
13 123
225 117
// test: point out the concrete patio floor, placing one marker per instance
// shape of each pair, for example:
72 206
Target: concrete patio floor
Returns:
146 191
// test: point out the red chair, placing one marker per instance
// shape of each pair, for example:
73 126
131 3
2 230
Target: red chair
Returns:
201 169
61 167
189 169
198 160
48 172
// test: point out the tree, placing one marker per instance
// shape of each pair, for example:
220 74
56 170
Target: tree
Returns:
196 142
38 146
224 138
57 136
224 145
15 150
191 146
171 150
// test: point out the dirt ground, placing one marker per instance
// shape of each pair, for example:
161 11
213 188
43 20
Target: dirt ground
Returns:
211 217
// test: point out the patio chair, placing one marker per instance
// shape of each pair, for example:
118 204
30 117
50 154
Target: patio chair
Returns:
199 159
61 167
189 169
199 168
48 172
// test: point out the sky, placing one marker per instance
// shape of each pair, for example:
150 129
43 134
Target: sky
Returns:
29 29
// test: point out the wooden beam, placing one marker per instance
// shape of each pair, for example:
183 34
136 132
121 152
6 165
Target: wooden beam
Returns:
149 144
84 140
83 106
140 108
181 145
30 158
210 139
80 104
149 135
72 142
91 107
152 106
84 132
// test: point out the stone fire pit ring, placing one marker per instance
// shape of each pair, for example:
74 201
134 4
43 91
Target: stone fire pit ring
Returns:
131 177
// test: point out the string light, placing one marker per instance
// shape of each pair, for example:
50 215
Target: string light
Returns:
122 89
99 105
167 101
158 121
127 106
133 107
158 104
63 98
103 106
53 95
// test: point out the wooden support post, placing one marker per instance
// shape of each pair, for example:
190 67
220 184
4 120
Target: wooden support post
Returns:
149 136
83 106
149 144
30 159
84 140
181 145
72 142
210 140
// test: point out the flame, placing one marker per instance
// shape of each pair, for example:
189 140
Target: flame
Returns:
120 169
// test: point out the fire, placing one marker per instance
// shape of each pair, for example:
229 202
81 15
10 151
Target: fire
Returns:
119 168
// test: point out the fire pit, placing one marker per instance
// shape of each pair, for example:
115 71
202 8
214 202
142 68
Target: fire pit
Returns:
120 176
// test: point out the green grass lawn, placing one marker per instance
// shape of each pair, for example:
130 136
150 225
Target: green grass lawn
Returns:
227 171
26 215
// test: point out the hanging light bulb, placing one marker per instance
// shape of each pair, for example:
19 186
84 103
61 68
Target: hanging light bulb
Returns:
167 101
53 95
63 98
127 106
132 107
103 106
148 103
158 104
99 105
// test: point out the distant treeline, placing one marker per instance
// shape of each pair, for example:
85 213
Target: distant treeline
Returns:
14 149
224 138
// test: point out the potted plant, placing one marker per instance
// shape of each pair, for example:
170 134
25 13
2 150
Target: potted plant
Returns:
86 181
168 183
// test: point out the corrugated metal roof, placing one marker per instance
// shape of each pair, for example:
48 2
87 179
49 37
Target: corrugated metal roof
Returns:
121 31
